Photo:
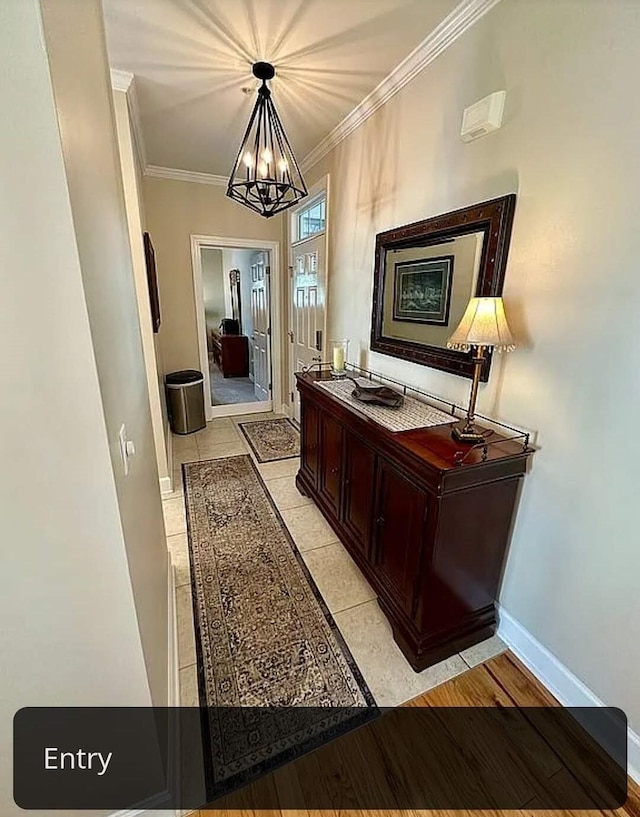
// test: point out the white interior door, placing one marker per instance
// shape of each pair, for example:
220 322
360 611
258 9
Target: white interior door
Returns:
260 342
308 310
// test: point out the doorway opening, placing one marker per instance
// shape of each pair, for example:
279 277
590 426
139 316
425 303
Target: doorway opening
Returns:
235 286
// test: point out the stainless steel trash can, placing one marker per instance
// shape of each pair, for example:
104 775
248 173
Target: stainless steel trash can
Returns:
185 401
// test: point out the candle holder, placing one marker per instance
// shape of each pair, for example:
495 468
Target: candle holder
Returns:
339 350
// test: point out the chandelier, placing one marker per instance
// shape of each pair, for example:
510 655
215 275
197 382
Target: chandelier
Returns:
266 177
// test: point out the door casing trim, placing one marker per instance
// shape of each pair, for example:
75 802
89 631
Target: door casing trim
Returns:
321 186
198 242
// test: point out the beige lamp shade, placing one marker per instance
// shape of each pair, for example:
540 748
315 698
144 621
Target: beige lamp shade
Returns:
483 324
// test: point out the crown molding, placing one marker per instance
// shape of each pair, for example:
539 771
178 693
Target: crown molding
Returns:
463 16
121 80
178 175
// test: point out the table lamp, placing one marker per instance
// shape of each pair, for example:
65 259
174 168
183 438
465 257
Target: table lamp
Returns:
483 326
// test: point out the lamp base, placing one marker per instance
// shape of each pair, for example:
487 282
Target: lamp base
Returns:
467 434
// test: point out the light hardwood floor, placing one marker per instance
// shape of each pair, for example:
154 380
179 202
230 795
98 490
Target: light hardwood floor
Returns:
501 681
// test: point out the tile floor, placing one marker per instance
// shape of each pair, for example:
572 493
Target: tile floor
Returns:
346 592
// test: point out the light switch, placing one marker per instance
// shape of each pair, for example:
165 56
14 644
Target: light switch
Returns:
127 448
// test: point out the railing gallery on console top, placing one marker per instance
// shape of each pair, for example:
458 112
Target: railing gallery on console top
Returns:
503 431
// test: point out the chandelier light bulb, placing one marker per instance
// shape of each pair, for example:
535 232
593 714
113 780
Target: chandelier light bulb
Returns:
263 170
248 160
267 156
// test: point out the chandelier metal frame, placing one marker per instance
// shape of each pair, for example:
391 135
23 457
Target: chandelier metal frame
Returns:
266 177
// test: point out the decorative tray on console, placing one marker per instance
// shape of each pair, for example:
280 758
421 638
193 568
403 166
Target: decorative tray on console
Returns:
411 414
367 392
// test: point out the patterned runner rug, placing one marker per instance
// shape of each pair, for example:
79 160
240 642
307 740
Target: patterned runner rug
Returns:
264 637
272 439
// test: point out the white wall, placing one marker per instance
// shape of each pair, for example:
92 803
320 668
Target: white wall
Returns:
241 260
82 90
227 265
128 161
156 338
213 286
69 634
569 148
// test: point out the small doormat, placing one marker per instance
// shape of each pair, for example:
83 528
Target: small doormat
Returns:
272 439
264 637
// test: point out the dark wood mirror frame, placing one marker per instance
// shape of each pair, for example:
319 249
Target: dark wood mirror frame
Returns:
493 218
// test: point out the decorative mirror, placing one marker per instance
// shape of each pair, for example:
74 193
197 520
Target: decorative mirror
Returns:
425 274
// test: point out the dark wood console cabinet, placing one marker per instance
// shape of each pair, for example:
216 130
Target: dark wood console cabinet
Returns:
230 353
429 534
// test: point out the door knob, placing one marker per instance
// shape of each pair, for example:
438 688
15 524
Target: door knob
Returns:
380 521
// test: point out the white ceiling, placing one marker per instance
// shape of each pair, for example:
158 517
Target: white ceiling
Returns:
191 59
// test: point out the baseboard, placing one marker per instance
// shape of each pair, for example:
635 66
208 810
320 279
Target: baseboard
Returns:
633 747
173 695
235 409
174 666
558 679
166 485
169 444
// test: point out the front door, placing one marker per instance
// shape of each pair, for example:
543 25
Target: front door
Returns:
260 341
307 326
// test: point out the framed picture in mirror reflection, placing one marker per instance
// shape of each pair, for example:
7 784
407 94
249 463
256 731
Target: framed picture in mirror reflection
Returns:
422 290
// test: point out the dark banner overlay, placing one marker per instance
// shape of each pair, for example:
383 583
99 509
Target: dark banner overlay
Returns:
330 758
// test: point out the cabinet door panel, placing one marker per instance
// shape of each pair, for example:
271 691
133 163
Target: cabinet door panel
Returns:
330 461
398 530
309 453
359 490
